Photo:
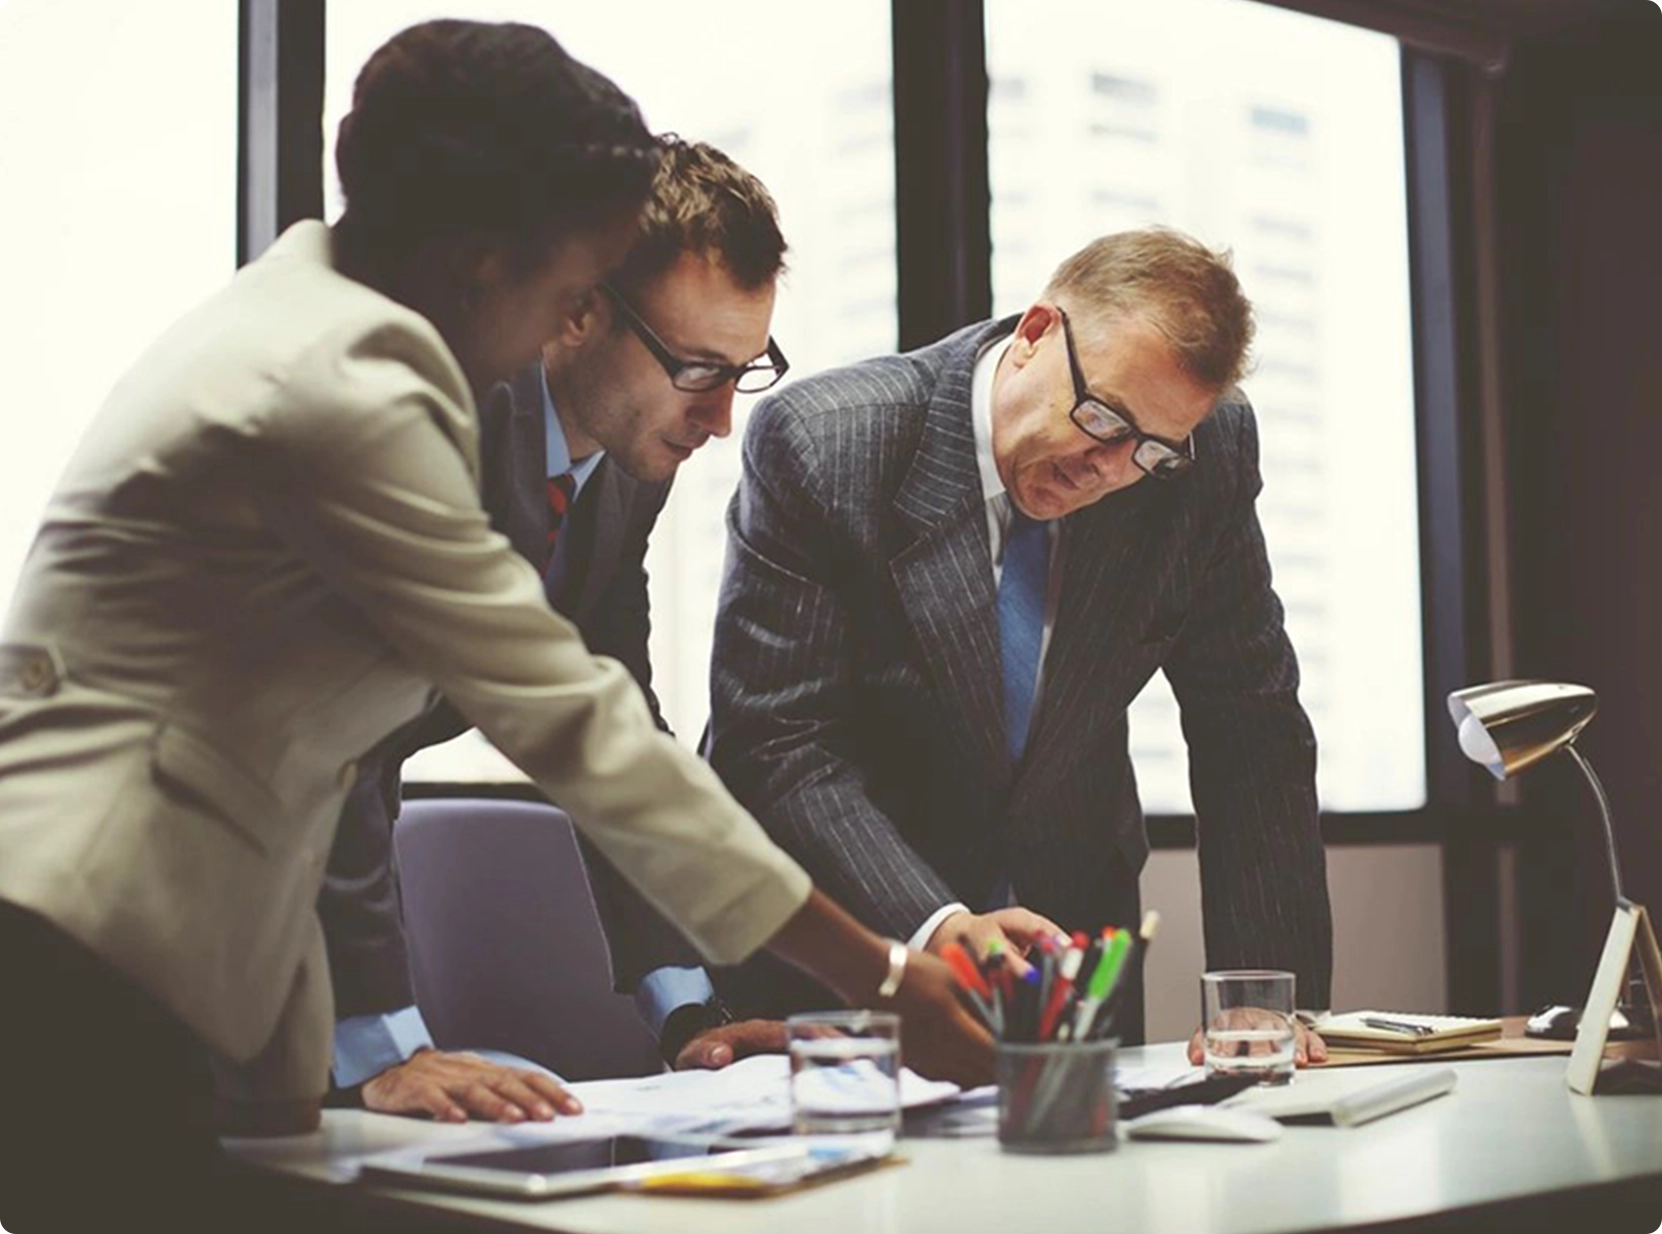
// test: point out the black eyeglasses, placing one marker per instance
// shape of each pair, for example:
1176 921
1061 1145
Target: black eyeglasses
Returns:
702 376
1164 460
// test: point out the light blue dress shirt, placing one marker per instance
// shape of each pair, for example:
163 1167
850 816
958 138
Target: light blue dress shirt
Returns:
664 989
366 1045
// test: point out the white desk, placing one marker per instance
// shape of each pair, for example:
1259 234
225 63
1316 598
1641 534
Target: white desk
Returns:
1510 1134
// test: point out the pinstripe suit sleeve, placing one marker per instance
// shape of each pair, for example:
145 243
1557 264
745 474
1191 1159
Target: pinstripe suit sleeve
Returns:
782 680
1252 761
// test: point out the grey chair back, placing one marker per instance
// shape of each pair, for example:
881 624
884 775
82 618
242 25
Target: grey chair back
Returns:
506 950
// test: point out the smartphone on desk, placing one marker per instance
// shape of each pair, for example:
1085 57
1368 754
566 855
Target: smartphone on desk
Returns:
546 1169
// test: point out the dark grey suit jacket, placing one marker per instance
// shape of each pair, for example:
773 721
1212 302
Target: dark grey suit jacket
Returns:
857 702
603 591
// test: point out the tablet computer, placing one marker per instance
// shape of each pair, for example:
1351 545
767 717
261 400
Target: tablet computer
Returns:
538 1170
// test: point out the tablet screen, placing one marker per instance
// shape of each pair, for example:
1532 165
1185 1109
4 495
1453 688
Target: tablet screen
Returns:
567 1156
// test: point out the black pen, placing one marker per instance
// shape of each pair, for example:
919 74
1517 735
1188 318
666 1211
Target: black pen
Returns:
1397 1026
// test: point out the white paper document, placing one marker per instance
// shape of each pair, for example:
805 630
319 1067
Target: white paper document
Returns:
750 1095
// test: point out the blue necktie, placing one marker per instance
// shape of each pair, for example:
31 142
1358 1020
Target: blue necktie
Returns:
1021 621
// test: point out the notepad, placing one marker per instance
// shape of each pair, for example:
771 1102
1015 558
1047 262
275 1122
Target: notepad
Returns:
1405 1032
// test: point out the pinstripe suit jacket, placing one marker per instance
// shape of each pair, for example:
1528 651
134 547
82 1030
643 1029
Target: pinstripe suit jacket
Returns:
857 704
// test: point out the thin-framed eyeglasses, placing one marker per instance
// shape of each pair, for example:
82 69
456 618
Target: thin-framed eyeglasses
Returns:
702 376
1164 460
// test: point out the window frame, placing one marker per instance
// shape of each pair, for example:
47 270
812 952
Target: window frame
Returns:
944 272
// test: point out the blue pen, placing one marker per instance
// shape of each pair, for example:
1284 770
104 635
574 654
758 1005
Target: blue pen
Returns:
1027 1004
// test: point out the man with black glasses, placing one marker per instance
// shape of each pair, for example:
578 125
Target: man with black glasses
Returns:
577 455
950 572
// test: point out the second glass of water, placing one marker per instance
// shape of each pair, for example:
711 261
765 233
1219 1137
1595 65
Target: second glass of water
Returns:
1248 1018
845 1071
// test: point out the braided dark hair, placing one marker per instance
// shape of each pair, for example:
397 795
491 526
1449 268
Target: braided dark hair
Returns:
462 126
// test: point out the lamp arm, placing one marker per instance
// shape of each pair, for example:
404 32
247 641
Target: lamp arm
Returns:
1604 814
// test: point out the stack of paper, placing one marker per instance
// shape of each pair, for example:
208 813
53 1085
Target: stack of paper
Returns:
1397 1032
749 1095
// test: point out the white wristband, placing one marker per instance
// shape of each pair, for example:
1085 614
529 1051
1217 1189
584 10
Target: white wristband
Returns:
897 970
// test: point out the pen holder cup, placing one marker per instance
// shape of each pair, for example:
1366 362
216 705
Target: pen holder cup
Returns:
1057 1098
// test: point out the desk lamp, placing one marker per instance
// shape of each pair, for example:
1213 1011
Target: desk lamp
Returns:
1505 727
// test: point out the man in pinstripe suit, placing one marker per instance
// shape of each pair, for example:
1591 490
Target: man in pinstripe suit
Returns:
860 684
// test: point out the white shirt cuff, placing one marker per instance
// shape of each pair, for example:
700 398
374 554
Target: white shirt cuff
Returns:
927 930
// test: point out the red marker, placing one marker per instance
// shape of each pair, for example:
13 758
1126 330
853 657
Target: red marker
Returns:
969 976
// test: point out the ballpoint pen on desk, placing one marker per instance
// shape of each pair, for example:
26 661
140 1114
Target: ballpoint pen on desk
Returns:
1398 1026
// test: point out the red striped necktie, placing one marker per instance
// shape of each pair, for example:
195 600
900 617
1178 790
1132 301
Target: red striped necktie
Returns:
561 489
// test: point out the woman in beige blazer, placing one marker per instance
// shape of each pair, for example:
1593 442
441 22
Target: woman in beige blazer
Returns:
268 549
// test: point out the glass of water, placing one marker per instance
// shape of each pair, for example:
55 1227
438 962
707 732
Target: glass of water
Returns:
845 1071
1248 1019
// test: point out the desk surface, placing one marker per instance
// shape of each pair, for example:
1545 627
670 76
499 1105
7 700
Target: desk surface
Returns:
1511 1131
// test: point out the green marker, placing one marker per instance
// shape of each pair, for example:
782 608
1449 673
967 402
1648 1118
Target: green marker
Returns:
1102 982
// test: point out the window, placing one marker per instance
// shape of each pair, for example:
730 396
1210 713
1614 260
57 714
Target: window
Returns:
819 132
121 192
1279 136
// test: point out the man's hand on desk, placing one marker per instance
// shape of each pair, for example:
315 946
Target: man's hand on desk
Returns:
715 1047
454 1087
1018 928
1308 1047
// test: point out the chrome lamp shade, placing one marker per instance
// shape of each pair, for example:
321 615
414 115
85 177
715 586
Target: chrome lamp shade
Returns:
1506 726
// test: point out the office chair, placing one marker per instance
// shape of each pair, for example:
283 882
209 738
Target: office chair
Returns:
506 950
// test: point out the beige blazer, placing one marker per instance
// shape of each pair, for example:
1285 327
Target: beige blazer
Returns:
266 551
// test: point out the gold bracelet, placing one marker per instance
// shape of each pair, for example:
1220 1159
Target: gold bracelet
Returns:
897 970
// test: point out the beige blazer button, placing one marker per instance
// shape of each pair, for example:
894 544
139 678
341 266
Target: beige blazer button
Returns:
36 673
349 773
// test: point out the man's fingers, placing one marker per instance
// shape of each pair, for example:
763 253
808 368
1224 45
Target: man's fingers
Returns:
716 1047
480 1098
1025 926
758 1037
706 1052
1308 1047
552 1093
436 1102
514 1087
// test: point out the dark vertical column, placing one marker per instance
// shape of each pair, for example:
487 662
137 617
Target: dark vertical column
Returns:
280 120
1444 288
1580 159
941 193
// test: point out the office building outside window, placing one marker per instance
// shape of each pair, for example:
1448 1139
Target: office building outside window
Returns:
1278 136
815 123
121 213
